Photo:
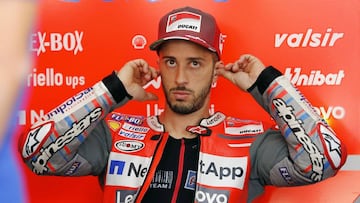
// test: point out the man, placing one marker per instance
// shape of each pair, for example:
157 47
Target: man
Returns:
185 154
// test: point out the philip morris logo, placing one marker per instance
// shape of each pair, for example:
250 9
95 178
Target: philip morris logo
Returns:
309 38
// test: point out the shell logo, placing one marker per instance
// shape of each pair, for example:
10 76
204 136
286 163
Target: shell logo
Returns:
115 126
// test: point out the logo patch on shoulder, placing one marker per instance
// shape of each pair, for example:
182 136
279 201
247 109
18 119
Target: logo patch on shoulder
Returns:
154 124
235 126
213 120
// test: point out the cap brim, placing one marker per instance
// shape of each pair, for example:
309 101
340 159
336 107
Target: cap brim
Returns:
155 45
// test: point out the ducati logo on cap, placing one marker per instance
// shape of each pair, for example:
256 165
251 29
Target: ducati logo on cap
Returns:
183 21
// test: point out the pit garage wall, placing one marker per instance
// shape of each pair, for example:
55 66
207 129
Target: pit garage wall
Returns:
314 43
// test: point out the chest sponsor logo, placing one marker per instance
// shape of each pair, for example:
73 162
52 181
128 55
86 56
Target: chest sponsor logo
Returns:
127 170
136 120
208 195
132 135
129 145
220 171
114 125
134 128
125 196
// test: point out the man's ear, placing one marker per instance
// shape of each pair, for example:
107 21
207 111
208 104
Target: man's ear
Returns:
218 64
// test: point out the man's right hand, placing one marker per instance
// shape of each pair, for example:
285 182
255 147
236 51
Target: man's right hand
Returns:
134 75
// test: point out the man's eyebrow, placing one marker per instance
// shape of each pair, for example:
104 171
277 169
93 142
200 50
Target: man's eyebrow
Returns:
195 59
188 58
167 58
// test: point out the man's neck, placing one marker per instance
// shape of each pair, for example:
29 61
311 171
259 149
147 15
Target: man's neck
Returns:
176 123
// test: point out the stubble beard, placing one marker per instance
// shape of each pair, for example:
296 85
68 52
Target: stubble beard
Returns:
183 107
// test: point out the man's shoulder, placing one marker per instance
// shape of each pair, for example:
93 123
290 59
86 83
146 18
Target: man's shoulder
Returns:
232 125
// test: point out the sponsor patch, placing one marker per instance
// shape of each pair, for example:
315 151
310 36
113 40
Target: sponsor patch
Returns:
34 138
154 124
127 170
114 125
183 21
73 168
209 195
235 126
213 120
71 102
285 174
190 182
199 130
129 145
220 171
132 135
125 196
136 120
134 128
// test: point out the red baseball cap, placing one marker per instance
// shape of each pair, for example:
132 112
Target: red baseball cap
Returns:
190 24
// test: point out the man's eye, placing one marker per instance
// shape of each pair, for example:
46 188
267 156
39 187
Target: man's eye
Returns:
171 63
195 64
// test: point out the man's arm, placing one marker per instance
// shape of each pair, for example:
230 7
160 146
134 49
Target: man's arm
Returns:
307 150
74 135
312 151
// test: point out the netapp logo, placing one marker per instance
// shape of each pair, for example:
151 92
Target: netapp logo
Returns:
136 170
220 171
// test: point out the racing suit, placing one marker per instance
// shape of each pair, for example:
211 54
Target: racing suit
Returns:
236 158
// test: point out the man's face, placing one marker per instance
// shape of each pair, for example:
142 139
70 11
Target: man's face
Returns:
187 72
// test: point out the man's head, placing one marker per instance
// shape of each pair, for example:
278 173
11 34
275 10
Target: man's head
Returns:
189 47
190 24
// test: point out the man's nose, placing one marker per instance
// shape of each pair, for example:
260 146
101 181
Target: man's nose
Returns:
181 75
